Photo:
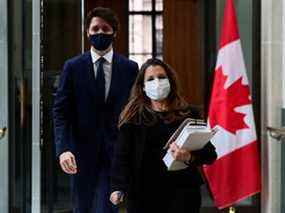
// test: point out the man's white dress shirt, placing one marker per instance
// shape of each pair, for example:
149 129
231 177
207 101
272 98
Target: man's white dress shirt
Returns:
107 66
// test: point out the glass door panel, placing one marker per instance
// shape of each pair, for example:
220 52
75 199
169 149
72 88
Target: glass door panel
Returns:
62 30
3 108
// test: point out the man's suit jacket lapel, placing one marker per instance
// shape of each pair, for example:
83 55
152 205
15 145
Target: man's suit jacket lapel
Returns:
116 78
90 72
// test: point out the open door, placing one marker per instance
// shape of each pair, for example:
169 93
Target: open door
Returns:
62 28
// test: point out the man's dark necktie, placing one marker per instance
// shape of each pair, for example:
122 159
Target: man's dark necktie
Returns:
100 81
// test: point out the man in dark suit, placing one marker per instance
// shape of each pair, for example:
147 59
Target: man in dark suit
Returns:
92 91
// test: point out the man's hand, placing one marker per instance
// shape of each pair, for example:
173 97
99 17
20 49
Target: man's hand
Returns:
116 197
179 154
68 163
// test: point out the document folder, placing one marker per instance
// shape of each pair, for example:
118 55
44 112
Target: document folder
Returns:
191 135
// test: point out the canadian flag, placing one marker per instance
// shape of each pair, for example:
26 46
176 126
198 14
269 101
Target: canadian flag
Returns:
236 173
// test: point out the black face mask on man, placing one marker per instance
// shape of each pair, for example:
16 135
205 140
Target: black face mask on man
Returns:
101 41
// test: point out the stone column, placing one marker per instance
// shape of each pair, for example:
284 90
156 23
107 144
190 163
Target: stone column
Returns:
272 67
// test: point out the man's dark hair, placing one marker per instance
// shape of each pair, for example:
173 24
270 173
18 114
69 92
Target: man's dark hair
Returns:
105 13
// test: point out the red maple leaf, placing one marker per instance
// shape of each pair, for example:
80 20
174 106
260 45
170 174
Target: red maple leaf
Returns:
224 101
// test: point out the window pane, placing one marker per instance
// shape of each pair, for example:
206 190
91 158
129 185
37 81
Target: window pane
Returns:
159 34
140 58
140 34
158 5
159 57
140 5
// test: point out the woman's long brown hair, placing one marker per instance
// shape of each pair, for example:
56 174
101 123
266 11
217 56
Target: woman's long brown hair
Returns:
139 105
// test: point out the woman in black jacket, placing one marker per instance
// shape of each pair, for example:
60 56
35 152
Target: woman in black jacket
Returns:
154 112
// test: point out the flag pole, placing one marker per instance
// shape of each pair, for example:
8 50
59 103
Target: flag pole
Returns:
232 210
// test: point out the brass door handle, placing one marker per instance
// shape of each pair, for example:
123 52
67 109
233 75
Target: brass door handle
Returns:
3 132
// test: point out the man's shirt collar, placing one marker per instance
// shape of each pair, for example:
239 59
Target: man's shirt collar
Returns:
108 56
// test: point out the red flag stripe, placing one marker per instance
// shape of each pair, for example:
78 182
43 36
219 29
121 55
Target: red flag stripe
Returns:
229 32
237 176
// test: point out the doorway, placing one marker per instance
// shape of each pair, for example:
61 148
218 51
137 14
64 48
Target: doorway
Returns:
63 38
62 30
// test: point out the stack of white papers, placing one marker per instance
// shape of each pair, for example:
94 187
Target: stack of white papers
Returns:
191 135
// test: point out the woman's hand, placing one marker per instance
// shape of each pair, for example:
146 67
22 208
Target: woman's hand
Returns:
179 154
117 197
